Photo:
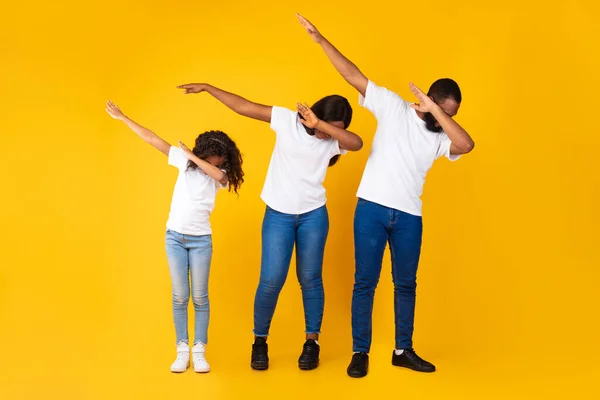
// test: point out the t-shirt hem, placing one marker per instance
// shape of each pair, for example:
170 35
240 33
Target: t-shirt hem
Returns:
294 212
191 232
399 207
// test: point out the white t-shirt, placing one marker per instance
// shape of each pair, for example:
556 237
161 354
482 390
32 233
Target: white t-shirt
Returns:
193 197
294 183
402 153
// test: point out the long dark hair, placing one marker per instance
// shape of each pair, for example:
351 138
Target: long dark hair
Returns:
332 108
217 143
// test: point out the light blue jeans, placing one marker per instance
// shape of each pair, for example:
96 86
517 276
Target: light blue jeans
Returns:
189 256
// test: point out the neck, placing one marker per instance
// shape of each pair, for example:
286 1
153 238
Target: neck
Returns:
420 115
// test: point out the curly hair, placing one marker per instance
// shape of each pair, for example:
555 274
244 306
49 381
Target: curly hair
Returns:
332 108
217 143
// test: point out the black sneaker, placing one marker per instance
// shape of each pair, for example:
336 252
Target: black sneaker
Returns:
260 354
309 359
359 366
410 359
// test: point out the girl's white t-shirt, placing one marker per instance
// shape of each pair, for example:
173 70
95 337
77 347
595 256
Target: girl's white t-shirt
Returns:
193 197
294 182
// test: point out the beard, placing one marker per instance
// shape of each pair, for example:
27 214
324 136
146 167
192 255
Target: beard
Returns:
430 122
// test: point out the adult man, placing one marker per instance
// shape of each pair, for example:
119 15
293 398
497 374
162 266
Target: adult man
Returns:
409 138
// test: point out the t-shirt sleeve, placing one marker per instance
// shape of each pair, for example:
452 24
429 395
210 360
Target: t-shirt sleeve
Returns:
177 158
380 100
336 149
282 119
444 149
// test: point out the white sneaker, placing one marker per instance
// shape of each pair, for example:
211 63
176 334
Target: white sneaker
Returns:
183 358
200 364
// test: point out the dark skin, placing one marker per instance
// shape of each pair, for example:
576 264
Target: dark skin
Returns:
462 142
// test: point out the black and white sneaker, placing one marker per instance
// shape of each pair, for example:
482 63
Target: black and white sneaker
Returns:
410 359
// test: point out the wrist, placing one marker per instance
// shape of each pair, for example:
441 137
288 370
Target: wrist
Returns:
436 111
321 125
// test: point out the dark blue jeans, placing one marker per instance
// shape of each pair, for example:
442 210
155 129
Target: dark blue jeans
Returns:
374 227
279 234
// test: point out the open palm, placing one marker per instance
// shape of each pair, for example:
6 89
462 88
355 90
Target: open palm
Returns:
425 104
113 110
310 28
309 119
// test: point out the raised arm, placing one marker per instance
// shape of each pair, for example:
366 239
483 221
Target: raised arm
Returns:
206 167
345 67
237 103
346 139
146 134
462 143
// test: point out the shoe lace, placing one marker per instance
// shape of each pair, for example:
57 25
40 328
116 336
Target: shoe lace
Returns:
359 358
182 355
310 348
259 351
412 354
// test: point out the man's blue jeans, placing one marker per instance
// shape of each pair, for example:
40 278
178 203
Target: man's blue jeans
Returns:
374 227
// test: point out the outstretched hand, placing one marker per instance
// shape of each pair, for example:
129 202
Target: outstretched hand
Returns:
114 111
310 28
425 104
192 87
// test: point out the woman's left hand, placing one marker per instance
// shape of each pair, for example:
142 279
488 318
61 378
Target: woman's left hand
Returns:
309 119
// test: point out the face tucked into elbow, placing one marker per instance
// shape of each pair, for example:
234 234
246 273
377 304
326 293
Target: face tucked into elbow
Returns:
218 149
446 94
212 147
335 110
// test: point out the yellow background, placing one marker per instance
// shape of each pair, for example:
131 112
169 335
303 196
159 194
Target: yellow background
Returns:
508 283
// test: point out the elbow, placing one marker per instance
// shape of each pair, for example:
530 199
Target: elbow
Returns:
223 178
354 145
466 147
358 144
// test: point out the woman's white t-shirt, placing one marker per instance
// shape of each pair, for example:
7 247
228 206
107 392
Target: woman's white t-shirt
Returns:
193 197
403 151
294 183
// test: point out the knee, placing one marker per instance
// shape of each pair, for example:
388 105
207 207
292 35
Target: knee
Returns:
200 300
180 299
310 280
269 287
365 282
406 286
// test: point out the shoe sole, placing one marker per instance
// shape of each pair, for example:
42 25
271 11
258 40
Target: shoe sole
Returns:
176 371
202 371
308 366
259 367
413 369
357 375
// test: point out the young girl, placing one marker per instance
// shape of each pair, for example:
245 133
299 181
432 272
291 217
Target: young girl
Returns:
296 211
214 163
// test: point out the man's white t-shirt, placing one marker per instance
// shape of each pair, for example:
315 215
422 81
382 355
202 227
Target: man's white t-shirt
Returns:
402 153
294 183
193 197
